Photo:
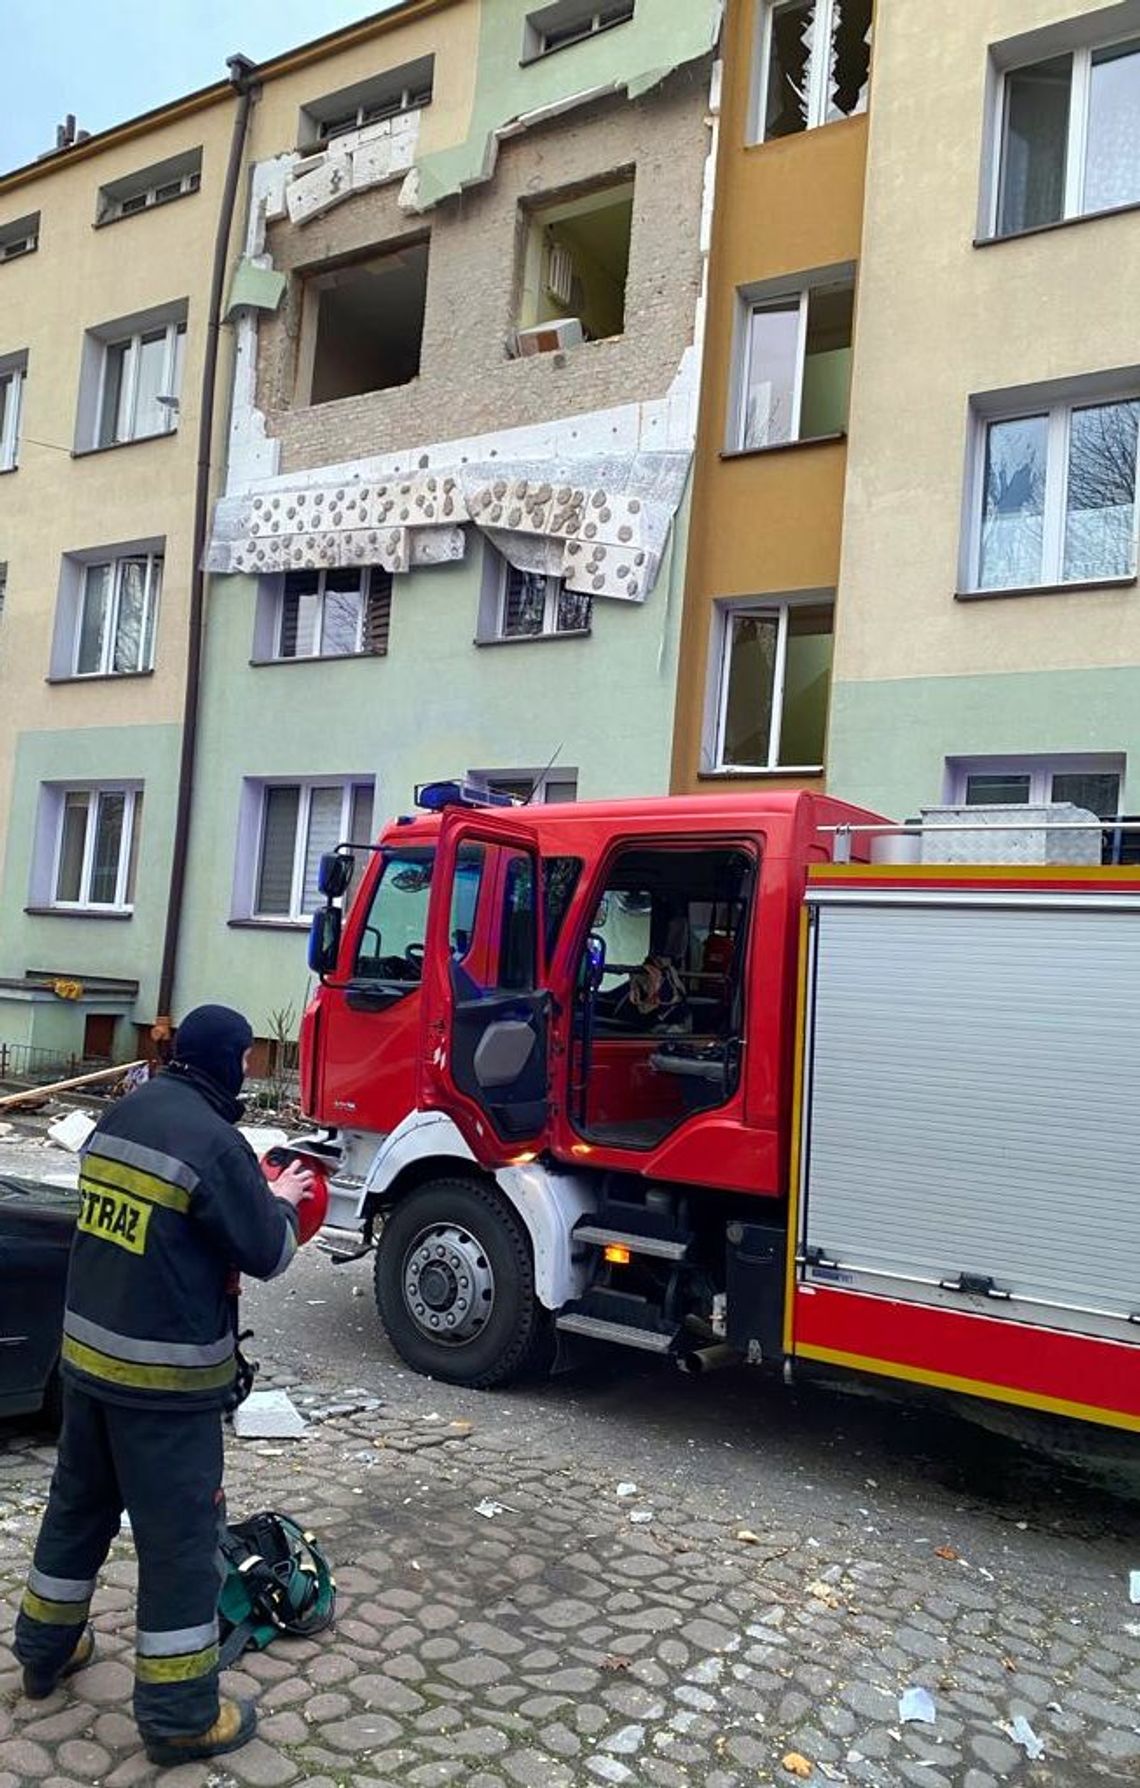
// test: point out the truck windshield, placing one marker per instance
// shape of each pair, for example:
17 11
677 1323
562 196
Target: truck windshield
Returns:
391 944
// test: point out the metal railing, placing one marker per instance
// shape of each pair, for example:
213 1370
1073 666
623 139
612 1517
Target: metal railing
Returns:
28 1065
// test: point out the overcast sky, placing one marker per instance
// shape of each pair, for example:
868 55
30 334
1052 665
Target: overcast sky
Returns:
106 60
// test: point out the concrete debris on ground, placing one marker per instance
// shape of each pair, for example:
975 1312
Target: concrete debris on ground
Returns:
560 1646
268 1415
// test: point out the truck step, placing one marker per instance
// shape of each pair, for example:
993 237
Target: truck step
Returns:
658 1247
623 1334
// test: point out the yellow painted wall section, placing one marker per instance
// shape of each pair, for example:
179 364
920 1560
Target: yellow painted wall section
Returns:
940 320
769 522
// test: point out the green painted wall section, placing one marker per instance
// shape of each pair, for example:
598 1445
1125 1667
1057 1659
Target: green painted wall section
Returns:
889 741
117 947
435 706
661 36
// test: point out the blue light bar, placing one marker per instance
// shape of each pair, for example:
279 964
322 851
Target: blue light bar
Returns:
433 797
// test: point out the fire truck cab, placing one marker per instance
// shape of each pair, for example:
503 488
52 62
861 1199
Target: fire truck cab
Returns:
628 1071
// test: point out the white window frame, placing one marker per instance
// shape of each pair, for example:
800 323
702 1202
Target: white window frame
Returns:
1059 413
550 628
587 21
409 99
20 237
779 296
128 392
155 564
13 377
1076 142
307 785
127 205
1040 769
819 69
95 792
782 609
540 778
363 590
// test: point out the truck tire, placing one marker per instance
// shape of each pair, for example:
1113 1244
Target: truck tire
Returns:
455 1284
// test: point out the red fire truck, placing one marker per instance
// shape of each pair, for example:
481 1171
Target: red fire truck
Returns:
666 1073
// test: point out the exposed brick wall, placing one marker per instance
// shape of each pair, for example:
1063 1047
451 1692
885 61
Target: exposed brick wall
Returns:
467 384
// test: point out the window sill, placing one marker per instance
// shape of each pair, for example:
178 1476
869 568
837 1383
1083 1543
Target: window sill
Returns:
259 924
165 434
102 676
784 446
317 658
809 130
105 223
1058 223
736 773
80 912
4 470
535 639
1070 589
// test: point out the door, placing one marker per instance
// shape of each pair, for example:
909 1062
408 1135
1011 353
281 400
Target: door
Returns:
485 1035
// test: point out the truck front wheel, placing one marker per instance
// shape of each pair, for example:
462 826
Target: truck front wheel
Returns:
455 1284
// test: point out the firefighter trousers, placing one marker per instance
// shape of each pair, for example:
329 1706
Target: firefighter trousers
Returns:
165 1468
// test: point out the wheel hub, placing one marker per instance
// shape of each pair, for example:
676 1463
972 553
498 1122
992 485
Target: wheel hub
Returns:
449 1287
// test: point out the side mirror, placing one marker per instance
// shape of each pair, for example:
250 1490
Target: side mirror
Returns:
595 961
324 940
334 874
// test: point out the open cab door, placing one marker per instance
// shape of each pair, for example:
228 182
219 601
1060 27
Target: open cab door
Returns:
484 1044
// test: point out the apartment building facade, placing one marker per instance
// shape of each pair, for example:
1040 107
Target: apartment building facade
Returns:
988 636
771 464
458 389
105 257
454 529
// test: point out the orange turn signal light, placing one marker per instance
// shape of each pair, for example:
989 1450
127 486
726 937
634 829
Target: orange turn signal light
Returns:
617 1255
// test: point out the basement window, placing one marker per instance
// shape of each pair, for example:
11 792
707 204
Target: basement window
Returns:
571 21
575 263
150 187
363 325
388 95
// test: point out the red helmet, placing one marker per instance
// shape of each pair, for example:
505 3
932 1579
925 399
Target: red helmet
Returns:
314 1208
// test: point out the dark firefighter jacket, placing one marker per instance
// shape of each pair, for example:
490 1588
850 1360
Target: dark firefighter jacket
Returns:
172 1200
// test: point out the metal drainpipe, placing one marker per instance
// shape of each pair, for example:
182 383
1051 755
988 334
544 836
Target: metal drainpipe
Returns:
242 72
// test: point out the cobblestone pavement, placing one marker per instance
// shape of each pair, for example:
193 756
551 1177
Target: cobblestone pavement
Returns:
569 1635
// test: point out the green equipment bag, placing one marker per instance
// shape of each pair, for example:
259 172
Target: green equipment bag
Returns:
277 1581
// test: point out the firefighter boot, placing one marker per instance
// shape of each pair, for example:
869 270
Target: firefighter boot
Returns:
235 1726
37 1686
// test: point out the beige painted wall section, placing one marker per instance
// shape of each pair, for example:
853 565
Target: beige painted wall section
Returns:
939 319
450 32
81 277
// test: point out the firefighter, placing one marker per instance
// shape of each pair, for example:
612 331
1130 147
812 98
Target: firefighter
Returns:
172 1202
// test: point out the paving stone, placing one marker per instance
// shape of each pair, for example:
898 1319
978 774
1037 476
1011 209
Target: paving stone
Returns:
261 1765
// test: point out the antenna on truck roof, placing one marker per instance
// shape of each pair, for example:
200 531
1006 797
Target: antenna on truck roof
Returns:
543 774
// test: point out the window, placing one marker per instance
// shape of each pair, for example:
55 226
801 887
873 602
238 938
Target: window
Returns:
141 383
575 263
334 614
571 21
814 64
391 945
796 365
97 847
1055 496
149 187
20 237
775 676
298 822
118 606
529 786
13 371
532 605
1095 783
363 325
384 96
1068 137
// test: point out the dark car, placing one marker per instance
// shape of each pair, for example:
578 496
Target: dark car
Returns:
36 1226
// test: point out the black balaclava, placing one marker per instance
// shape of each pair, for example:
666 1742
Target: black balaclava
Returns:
213 1040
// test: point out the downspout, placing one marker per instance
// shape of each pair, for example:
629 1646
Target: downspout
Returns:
242 72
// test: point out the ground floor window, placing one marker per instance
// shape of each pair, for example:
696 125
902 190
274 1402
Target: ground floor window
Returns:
297 823
771 692
97 840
